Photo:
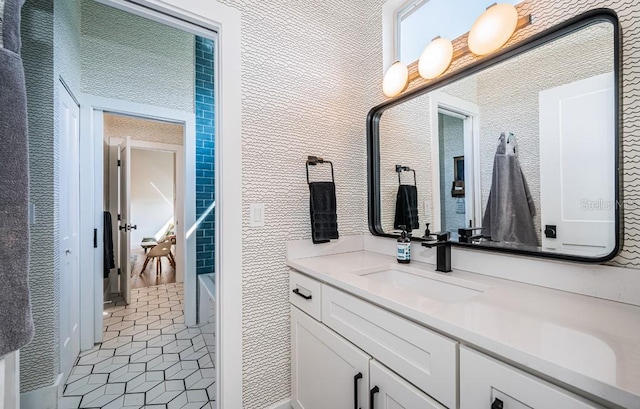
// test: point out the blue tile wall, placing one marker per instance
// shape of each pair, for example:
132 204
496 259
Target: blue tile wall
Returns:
205 146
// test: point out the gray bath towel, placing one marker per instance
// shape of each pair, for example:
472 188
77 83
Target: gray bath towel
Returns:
16 324
510 209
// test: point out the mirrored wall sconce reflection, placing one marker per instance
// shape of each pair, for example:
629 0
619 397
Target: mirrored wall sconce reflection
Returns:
490 32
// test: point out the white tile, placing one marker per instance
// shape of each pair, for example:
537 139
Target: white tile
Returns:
116 342
145 355
108 335
161 340
160 324
164 392
111 364
200 379
134 330
131 348
177 346
103 395
211 391
205 362
119 326
171 315
135 316
190 354
173 328
79 371
126 373
145 381
158 311
85 385
88 351
162 362
181 370
147 320
70 402
188 333
111 321
147 335
96 357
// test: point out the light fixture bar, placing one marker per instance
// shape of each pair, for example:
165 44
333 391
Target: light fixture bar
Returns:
523 22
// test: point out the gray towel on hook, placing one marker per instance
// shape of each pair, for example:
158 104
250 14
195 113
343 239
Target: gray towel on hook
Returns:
16 323
510 209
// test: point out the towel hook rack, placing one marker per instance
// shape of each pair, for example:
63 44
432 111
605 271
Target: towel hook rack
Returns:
316 160
400 169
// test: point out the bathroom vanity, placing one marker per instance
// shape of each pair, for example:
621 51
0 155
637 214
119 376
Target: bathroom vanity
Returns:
368 332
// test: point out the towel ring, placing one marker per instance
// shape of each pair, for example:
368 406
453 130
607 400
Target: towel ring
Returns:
400 169
315 160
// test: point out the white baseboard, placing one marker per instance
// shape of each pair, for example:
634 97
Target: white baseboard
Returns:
283 404
43 398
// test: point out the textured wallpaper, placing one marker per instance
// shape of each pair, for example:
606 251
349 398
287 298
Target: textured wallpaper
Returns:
132 58
140 129
310 73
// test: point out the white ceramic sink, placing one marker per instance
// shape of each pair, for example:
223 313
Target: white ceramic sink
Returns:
445 289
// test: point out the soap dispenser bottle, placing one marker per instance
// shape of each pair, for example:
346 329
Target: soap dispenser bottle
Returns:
403 253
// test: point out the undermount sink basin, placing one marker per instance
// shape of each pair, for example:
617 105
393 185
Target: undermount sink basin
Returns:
444 289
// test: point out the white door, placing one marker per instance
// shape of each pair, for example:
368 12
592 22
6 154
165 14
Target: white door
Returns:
326 370
577 142
69 165
125 216
389 391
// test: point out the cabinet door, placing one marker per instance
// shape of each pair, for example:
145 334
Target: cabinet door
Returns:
326 370
486 383
389 391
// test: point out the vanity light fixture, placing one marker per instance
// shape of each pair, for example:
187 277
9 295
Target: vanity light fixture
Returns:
493 29
395 79
436 58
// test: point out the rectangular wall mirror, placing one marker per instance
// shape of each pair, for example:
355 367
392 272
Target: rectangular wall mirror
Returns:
516 153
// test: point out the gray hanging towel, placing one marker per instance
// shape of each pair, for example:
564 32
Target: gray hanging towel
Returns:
508 217
16 324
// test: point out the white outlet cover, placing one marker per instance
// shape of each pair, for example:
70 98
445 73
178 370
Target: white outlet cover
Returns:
256 215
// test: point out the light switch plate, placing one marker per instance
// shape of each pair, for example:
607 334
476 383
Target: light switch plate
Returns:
256 215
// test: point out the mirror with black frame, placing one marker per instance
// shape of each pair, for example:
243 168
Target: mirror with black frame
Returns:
519 154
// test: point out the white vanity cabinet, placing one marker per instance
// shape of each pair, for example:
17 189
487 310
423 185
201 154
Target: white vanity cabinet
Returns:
389 391
486 383
326 370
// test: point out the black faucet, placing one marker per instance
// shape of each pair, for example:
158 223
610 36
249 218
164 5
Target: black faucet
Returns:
443 250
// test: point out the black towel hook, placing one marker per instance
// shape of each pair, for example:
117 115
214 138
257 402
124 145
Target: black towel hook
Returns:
316 160
400 169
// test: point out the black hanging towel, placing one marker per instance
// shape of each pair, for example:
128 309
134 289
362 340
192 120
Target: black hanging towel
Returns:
406 202
109 260
322 205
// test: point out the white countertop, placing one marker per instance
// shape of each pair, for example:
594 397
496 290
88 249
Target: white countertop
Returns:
583 343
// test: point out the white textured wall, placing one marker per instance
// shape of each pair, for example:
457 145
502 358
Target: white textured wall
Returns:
310 73
132 58
151 207
139 129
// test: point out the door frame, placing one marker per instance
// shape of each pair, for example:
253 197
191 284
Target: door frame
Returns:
179 189
224 20
470 113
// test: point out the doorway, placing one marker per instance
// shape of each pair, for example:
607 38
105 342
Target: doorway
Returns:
141 194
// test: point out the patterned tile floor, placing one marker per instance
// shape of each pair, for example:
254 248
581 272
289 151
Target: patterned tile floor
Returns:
148 358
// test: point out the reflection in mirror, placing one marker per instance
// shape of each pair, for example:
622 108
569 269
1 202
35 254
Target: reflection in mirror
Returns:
520 155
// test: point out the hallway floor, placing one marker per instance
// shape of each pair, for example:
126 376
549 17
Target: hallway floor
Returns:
148 358
145 278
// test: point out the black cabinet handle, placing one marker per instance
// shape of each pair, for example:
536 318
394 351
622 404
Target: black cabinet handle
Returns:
372 397
355 389
497 404
297 291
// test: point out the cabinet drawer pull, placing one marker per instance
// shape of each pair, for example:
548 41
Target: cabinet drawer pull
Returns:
372 397
355 389
297 292
497 404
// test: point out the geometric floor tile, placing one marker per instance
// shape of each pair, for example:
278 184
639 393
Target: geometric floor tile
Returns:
164 392
126 373
148 358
